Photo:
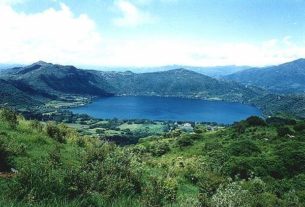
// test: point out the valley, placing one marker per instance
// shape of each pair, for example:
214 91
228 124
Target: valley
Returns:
167 138
46 86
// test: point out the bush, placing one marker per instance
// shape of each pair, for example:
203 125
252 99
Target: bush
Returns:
231 195
240 127
280 121
184 141
10 117
36 125
160 191
209 146
292 156
107 171
5 165
159 148
238 167
243 148
299 127
55 132
284 131
255 121
111 172
209 182
38 181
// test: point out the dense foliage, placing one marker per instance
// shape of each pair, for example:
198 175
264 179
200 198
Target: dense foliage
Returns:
49 164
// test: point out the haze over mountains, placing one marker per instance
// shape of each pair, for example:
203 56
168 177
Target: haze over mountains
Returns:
212 71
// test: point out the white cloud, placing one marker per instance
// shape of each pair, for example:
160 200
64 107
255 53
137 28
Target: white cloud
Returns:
10 2
59 36
131 15
158 52
51 35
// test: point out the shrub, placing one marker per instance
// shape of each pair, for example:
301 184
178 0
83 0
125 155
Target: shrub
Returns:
280 121
10 117
243 148
38 181
160 191
255 121
107 171
184 141
4 157
111 172
292 156
159 148
284 131
238 167
36 125
231 195
299 127
209 146
55 132
209 182
240 127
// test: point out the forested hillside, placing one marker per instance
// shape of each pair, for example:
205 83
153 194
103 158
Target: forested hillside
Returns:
41 84
284 78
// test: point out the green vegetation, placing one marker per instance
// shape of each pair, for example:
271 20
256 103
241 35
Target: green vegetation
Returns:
49 164
285 78
45 87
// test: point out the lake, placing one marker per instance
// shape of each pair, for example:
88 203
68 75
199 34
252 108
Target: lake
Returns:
160 108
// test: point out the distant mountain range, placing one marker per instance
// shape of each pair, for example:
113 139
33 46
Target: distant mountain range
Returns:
284 78
212 71
42 82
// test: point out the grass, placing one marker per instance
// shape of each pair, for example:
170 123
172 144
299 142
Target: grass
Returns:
187 166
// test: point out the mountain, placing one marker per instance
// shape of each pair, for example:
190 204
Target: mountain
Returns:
50 80
41 82
212 71
284 78
219 71
175 83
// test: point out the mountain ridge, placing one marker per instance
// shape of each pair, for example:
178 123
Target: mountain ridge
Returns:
45 82
284 78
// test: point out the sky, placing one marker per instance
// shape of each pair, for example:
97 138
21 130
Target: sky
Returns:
151 33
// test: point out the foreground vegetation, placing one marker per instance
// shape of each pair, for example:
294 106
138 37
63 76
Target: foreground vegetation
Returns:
253 163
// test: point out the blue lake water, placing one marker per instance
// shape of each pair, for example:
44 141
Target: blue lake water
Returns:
158 108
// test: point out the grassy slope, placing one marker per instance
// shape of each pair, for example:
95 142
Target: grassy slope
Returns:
180 162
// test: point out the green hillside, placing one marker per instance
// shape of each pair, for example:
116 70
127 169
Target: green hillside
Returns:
13 97
252 163
176 83
54 86
49 80
53 81
284 78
